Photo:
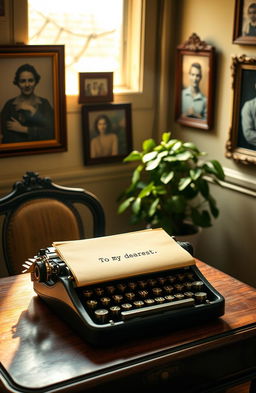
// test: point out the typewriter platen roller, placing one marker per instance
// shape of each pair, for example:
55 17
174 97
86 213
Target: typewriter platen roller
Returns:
108 312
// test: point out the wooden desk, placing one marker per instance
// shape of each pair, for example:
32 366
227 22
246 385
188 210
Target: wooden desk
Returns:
40 352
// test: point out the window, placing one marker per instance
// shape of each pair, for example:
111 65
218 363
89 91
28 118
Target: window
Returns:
98 36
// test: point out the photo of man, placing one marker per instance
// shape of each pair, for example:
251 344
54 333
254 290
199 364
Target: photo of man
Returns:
194 102
249 24
247 136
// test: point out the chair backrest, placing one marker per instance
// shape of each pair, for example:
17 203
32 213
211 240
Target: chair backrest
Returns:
38 212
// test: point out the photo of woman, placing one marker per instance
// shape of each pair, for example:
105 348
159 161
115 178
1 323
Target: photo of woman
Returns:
105 142
26 117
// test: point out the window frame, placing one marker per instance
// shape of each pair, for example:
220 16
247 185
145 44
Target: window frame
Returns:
142 96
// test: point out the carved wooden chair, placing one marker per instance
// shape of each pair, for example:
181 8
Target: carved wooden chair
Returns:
38 212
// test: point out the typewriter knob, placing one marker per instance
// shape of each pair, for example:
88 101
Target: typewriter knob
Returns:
40 271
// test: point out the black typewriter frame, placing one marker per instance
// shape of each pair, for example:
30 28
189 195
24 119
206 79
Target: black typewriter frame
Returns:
74 313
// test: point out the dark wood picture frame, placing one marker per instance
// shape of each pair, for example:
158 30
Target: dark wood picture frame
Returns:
118 125
242 34
95 87
40 127
195 57
241 144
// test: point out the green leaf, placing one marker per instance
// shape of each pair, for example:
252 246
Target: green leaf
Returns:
191 146
136 205
166 177
177 146
186 155
219 170
178 204
146 191
136 174
201 219
195 173
148 145
166 136
214 167
149 156
124 205
153 207
184 182
153 164
213 207
171 159
133 156
203 187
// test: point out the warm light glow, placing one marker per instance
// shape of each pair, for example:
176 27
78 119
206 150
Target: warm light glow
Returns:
92 32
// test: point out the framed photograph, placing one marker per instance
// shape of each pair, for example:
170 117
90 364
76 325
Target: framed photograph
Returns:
107 132
194 83
244 32
32 100
95 87
241 145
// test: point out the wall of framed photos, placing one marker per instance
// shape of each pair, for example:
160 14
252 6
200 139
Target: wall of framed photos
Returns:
228 244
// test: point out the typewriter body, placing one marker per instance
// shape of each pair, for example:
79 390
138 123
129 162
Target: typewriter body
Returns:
112 310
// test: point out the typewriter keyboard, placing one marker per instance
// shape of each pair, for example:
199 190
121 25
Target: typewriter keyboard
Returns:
144 295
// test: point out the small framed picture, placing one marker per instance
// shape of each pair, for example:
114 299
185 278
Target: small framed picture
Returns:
241 145
194 83
32 100
244 31
107 132
95 87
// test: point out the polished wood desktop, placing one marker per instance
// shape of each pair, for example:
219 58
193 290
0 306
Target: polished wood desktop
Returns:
40 353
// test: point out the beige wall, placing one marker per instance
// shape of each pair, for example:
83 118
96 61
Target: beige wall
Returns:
229 244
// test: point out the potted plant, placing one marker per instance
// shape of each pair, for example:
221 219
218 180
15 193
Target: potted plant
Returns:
169 186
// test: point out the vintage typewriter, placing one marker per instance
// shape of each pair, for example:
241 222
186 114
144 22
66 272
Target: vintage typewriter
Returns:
149 284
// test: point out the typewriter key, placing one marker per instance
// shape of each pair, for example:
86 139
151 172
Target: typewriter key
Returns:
179 296
171 279
152 282
157 291
197 285
149 302
161 280
168 289
101 314
110 289
159 299
132 285
190 275
142 283
126 306
138 303
118 298
105 301
99 291
130 295
115 311
143 294
189 294
200 297
181 276
92 304
87 293
179 287
169 298
188 285
121 286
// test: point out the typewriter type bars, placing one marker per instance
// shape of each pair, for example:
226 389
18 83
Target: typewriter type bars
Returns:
144 295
